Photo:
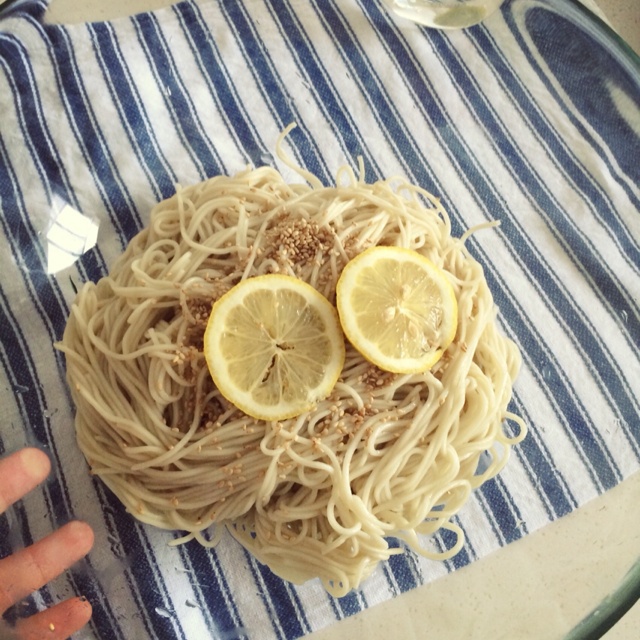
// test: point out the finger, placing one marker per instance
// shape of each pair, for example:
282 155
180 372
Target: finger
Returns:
21 472
29 569
56 623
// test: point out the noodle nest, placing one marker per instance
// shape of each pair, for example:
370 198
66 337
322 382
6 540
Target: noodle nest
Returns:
385 456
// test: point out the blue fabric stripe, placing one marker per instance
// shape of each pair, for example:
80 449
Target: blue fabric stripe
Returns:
288 618
161 591
195 139
382 106
20 529
570 411
86 583
562 156
22 367
19 73
130 554
546 31
274 90
114 193
444 540
5 545
35 8
301 614
350 604
8 350
469 549
499 507
211 588
402 568
276 608
464 557
310 64
551 485
219 81
133 116
467 554
43 292
148 592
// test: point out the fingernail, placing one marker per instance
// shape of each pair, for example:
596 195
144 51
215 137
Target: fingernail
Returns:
36 463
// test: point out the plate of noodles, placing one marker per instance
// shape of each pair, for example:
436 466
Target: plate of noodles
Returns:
224 154
380 455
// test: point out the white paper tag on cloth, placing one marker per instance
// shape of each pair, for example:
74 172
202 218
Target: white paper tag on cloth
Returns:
71 234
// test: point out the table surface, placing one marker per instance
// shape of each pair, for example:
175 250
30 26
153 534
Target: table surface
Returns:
624 17
543 562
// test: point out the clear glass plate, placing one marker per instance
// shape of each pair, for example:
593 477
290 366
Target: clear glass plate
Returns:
462 114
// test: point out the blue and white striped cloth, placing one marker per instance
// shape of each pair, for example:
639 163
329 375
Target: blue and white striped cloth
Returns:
532 119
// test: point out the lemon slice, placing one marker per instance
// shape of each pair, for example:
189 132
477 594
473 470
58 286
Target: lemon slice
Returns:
274 346
397 308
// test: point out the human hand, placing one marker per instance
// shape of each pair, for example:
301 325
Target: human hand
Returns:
29 569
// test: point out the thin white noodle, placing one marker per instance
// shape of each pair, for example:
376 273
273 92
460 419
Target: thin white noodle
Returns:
315 496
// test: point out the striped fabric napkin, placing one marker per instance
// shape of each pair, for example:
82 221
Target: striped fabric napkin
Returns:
503 121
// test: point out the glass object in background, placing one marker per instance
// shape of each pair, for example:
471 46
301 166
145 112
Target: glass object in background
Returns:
445 14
